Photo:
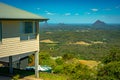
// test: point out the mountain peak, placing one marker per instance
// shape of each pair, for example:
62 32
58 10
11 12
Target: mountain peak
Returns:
99 23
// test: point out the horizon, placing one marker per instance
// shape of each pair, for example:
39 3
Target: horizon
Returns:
72 11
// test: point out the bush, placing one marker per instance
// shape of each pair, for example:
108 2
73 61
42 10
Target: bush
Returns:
67 56
44 59
114 55
111 66
59 61
58 69
16 77
110 71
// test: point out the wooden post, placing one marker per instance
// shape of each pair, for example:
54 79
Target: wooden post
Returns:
10 65
36 64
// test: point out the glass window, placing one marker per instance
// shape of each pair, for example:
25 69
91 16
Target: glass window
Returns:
28 27
27 30
0 31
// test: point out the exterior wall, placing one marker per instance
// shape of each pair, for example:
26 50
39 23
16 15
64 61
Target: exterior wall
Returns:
11 44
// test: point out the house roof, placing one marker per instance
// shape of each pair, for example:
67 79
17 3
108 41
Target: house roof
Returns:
8 12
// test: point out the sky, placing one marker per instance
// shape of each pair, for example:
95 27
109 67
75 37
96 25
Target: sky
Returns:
71 11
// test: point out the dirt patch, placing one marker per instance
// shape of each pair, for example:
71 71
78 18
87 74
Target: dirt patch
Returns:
48 32
30 78
97 42
47 41
82 43
89 63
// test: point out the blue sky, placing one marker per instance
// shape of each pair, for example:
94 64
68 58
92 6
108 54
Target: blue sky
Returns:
72 11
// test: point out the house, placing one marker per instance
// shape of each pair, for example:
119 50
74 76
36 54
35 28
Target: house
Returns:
19 35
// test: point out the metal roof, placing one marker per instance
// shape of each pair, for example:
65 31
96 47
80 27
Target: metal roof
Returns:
8 12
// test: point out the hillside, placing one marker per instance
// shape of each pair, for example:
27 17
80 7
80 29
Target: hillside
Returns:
72 38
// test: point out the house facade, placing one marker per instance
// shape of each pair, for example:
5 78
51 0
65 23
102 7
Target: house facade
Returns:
19 33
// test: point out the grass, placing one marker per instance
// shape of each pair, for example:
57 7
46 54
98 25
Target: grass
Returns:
51 76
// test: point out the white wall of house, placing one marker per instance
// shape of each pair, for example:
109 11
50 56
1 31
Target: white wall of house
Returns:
11 43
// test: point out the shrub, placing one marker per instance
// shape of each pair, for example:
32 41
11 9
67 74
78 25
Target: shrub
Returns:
59 61
67 56
110 71
114 55
44 59
16 77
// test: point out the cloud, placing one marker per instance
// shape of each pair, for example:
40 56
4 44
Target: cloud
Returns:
94 9
117 7
67 14
88 13
38 8
76 14
49 13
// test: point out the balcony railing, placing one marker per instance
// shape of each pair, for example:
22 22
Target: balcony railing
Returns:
28 36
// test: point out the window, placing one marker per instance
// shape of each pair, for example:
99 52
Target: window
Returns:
28 31
0 31
28 27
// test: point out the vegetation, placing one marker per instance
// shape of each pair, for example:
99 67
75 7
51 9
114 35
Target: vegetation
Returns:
66 47
100 40
51 76
68 66
111 66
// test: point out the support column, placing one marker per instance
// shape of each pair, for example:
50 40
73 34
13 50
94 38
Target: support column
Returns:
36 64
10 65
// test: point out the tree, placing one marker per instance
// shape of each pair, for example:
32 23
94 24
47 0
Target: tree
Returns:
114 55
110 71
67 56
44 59
111 66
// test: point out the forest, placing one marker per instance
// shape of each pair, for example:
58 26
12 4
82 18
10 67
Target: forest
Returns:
93 43
63 46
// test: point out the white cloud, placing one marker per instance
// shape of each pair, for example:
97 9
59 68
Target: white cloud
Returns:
117 6
49 13
88 13
67 14
94 9
38 8
76 14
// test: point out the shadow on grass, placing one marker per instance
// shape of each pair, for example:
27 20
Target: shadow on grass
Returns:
22 73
